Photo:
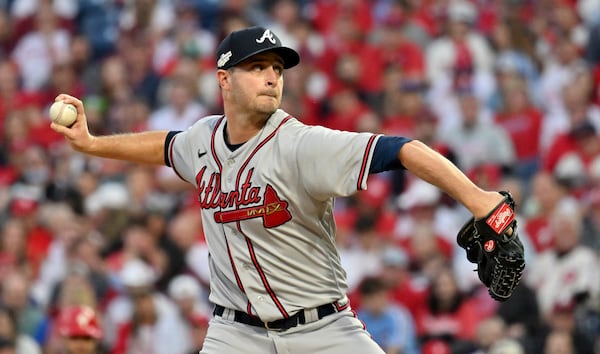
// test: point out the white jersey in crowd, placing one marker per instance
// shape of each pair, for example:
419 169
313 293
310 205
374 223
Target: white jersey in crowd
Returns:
267 210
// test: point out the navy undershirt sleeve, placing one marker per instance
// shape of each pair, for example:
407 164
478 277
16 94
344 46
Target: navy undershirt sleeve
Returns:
169 137
385 156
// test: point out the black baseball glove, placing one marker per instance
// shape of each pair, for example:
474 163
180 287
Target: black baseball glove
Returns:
492 242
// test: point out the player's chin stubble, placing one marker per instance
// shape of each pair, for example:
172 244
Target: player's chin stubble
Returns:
267 107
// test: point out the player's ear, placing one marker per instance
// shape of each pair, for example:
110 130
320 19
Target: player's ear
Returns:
223 79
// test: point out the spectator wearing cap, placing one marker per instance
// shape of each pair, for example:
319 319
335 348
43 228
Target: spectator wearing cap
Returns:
477 140
568 270
419 227
135 286
401 114
460 60
153 324
404 288
188 295
390 325
74 290
81 330
573 154
193 308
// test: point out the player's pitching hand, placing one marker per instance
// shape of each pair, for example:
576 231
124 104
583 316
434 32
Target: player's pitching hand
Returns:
77 134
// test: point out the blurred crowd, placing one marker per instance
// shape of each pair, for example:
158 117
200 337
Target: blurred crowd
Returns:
507 90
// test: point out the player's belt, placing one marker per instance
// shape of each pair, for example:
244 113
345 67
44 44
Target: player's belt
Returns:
299 318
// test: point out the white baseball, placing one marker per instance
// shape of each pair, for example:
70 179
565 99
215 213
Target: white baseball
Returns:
63 113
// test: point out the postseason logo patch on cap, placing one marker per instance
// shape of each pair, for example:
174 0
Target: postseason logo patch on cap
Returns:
223 59
243 44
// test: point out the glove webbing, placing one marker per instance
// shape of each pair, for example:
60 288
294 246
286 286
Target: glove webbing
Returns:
506 275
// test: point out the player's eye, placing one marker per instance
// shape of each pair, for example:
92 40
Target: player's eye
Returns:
278 69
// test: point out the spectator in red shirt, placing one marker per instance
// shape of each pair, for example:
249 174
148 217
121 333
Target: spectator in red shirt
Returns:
546 194
347 39
449 316
395 48
404 288
401 118
523 123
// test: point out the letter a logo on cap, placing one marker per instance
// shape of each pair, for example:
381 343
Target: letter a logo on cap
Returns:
266 35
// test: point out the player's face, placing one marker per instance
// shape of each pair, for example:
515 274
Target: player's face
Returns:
80 345
257 84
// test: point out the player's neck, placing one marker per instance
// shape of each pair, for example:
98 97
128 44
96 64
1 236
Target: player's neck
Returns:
241 128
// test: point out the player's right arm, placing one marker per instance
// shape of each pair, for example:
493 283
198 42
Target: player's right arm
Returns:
145 147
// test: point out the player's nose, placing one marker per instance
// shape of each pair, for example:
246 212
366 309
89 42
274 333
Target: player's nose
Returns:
271 76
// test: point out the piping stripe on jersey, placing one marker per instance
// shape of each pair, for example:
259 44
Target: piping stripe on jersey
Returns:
261 273
341 308
363 167
213 151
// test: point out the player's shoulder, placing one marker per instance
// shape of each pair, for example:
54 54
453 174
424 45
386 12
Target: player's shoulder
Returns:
291 124
207 123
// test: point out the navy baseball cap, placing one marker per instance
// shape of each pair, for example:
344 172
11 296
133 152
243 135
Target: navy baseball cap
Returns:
241 45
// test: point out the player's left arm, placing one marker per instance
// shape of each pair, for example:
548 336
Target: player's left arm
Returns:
490 237
430 166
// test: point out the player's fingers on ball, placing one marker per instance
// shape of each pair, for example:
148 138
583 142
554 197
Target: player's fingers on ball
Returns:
72 100
58 128
63 97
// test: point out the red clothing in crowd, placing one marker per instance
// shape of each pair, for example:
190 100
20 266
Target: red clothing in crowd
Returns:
540 236
524 129
398 125
324 14
407 55
563 145
413 296
38 243
596 88
371 63
460 324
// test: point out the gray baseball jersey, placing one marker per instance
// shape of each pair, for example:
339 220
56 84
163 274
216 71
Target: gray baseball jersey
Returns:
267 210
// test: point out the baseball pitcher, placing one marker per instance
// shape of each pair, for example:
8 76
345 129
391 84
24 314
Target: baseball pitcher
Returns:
266 184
